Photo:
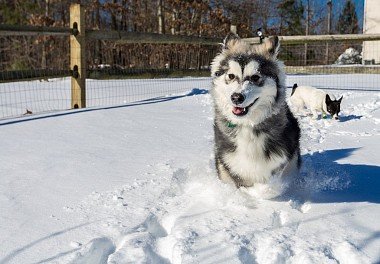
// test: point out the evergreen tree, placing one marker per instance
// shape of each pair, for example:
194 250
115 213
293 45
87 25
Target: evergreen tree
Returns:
291 16
348 20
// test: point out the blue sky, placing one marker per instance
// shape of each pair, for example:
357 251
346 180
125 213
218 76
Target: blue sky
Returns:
338 7
359 4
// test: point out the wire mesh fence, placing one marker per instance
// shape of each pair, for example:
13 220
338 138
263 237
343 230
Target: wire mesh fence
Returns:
148 56
123 91
131 72
39 82
336 65
27 66
35 70
32 97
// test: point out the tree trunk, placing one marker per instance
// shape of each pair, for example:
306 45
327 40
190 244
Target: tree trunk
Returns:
113 17
307 29
98 43
160 15
174 18
43 59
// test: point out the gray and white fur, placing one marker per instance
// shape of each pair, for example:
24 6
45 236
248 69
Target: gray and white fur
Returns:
256 135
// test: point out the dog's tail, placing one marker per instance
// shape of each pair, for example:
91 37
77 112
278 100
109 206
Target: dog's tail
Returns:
294 88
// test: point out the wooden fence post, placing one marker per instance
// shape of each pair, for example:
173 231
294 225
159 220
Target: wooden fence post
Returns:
77 56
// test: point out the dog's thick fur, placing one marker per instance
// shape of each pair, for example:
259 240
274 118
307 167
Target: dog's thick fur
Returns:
315 100
256 140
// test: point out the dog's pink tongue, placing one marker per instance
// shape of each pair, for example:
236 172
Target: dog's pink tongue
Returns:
237 110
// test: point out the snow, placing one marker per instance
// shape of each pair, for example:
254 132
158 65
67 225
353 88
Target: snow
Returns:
136 184
349 56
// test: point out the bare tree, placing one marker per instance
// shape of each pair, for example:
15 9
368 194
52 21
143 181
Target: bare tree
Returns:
161 18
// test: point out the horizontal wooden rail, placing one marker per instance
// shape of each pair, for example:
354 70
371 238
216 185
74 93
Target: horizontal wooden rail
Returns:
135 37
119 36
328 69
291 40
17 30
6 76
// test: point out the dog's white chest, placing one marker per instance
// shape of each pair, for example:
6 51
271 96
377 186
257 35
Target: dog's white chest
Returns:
249 160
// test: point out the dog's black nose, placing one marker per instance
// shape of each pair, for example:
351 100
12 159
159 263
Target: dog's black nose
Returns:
237 98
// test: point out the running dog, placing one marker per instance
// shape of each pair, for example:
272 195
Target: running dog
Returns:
256 135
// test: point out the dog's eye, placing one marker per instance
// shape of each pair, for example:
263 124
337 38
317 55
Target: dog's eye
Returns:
231 76
218 73
254 78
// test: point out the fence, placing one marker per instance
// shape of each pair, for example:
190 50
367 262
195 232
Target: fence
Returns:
49 72
333 62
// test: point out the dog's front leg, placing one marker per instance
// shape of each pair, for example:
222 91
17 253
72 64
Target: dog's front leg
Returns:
223 174
315 113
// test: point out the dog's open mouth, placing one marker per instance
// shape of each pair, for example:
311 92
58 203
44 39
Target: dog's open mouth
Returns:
241 111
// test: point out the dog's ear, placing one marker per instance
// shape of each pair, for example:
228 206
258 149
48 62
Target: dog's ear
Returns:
340 99
271 46
328 99
230 40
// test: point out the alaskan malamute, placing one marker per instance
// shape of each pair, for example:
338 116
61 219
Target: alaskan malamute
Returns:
256 135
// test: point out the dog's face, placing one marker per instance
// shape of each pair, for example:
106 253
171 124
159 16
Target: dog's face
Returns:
333 106
247 80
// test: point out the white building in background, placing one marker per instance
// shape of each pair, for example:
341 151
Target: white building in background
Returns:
371 25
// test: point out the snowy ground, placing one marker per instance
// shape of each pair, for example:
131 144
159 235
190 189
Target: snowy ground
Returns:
137 184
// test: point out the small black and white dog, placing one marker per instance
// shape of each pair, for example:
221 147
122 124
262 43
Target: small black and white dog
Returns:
256 135
315 100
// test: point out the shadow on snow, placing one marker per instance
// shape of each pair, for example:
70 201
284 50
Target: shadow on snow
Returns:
349 117
154 100
26 247
328 181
